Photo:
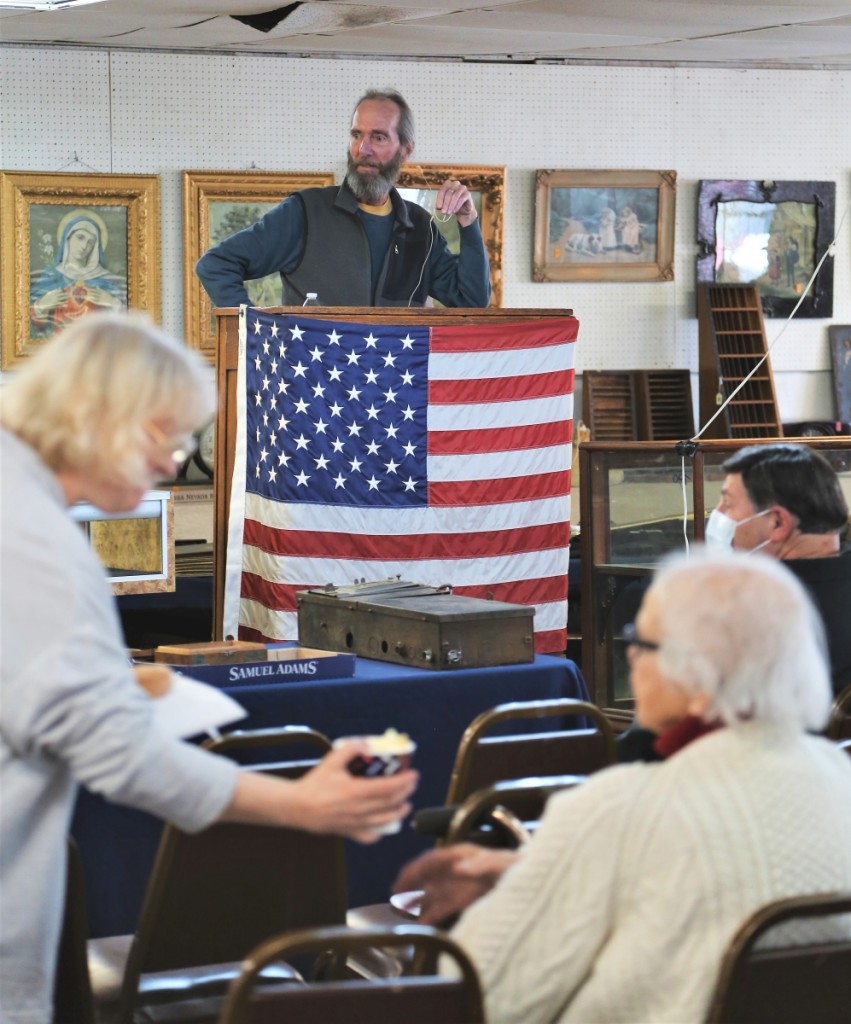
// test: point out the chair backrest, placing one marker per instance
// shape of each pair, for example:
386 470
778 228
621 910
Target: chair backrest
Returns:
839 723
509 807
420 998
788 984
213 895
73 1002
483 759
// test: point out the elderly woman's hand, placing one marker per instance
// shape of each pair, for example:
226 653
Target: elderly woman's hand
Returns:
453 878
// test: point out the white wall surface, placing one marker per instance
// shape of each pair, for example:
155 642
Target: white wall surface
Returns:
161 113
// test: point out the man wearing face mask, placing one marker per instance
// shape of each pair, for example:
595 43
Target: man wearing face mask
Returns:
786 501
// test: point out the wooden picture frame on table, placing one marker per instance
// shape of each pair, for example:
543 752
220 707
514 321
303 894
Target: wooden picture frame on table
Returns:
217 204
72 244
420 183
604 225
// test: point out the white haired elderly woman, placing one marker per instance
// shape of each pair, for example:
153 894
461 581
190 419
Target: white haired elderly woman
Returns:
621 907
100 414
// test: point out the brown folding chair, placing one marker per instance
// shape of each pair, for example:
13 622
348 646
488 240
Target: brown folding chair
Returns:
788 984
839 723
213 895
73 1002
421 997
482 759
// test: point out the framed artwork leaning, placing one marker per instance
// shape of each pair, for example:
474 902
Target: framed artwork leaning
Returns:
604 225
772 234
420 184
217 204
71 244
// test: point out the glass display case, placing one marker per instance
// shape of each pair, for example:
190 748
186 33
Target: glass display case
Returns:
640 501
136 547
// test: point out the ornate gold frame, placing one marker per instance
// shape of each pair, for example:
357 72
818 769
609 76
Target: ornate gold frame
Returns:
20 190
200 189
490 183
603 265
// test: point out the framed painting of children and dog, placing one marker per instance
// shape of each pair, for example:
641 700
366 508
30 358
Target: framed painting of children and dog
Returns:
604 225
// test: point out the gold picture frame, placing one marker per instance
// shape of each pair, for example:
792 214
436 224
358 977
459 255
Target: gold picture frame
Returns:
70 244
420 183
604 225
216 204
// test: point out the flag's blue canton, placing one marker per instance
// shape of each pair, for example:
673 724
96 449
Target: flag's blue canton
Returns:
336 412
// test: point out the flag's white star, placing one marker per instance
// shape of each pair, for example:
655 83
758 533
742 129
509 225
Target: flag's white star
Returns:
371 341
373 483
353 394
335 373
355 464
353 358
409 449
273 367
302 479
296 332
392 431
283 459
389 359
334 338
391 466
263 455
273 440
273 473
354 430
315 355
274 331
321 426
266 383
321 462
283 423
371 377
390 395
265 419
373 448
318 391
410 484
282 350
372 413
408 413
407 341
256 326
265 347
339 481
299 370
407 377
273 402
257 399
301 406
337 444
282 386
301 442
335 409
257 471
257 363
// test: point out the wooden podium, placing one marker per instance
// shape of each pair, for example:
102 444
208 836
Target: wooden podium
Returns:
227 353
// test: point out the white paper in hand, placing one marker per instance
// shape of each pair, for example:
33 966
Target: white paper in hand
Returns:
191 707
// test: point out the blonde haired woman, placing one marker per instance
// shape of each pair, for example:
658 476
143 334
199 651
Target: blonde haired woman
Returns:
100 414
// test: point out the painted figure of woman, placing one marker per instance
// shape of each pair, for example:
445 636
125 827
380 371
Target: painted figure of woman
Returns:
630 230
608 238
77 283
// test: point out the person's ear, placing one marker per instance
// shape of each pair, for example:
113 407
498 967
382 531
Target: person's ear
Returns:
697 704
407 151
782 523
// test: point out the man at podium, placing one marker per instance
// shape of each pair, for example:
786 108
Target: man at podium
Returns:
360 243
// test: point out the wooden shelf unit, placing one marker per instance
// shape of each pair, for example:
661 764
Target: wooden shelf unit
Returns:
732 343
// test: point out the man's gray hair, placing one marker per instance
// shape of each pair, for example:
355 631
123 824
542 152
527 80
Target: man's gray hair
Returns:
405 129
742 630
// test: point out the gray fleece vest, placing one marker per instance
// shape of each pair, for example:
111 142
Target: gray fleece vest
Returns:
336 261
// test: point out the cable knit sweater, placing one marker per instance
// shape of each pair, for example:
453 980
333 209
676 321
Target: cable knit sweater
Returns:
622 906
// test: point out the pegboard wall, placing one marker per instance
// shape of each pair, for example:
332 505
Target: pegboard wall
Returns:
161 113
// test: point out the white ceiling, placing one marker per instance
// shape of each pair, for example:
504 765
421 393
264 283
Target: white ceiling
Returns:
780 33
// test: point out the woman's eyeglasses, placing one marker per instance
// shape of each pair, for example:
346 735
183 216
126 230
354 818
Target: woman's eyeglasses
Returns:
630 637
180 449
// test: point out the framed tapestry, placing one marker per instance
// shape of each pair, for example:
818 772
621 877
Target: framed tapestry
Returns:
604 225
71 244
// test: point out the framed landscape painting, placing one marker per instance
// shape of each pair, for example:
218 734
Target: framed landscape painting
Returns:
420 184
217 204
72 244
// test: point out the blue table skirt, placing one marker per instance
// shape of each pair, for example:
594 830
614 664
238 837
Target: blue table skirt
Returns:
118 844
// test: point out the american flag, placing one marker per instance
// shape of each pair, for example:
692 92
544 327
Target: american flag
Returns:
364 451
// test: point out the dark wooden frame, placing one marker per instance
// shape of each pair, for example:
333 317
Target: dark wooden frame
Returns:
821 194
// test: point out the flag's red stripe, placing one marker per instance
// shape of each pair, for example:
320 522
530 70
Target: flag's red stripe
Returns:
551 641
500 389
445 494
255 636
499 439
281 597
405 547
500 337
553 588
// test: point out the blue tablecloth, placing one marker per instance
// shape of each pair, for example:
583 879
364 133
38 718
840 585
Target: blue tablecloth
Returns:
118 844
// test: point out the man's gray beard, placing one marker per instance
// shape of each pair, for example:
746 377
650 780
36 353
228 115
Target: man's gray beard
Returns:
371 190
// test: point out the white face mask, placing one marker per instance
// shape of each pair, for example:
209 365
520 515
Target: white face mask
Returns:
721 529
